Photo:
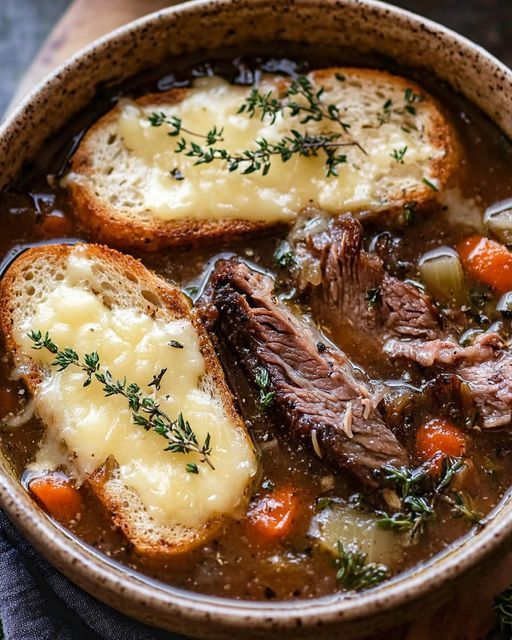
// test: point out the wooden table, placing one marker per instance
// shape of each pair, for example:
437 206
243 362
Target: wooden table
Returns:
468 616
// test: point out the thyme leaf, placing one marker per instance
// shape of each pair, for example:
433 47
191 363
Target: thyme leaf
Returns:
262 380
284 256
398 154
146 411
409 213
258 160
353 570
176 128
460 507
373 297
302 99
429 184
419 496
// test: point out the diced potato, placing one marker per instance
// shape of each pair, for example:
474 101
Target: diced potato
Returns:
352 526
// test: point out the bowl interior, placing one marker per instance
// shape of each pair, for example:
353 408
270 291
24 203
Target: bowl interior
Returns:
197 29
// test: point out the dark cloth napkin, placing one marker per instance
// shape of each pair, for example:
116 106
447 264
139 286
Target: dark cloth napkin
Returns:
39 603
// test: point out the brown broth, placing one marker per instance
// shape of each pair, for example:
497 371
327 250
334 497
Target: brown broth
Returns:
233 564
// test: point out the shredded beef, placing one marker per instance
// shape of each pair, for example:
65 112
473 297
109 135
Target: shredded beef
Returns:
316 393
353 287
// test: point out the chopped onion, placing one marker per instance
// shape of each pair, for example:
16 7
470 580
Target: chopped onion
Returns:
20 419
504 306
497 420
498 219
469 336
443 275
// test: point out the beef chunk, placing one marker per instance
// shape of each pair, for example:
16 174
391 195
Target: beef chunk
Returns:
490 382
446 352
484 366
353 287
316 392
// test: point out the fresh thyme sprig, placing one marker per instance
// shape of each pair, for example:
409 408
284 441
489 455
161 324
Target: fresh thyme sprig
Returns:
312 109
398 154
460 507
419 496
157 119
353 570
409 100
503 609
262 380
146 411
258 160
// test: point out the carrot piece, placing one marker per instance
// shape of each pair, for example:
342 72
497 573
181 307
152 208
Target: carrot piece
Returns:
437 439
273 516
58 496
487 261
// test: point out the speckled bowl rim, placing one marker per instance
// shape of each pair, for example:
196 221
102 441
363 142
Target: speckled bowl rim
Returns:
90 570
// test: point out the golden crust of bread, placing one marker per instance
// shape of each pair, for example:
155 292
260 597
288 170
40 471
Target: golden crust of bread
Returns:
104 224
170 302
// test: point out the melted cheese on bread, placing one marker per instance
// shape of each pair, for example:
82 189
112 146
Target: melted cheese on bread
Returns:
93 427
209 191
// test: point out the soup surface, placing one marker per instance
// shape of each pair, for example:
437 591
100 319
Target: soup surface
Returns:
423 405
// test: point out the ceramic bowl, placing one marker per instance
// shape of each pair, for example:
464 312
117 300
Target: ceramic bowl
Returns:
202 28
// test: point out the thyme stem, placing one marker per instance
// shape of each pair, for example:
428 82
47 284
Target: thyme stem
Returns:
146 411
258 160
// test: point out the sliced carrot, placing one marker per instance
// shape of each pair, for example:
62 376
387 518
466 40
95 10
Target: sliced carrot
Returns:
58 496
273 516
437 439
487 261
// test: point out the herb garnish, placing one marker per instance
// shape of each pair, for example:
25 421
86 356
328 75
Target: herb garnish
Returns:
158 119
324 502
310 108
419 496
284 256
262 380
461 507
410 98
373 297
145 410
409 213
353 570
386 112
192 468
398 154
177 175
429 184
259 160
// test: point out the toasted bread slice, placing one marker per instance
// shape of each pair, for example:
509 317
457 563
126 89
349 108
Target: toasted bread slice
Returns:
76 293
130 189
